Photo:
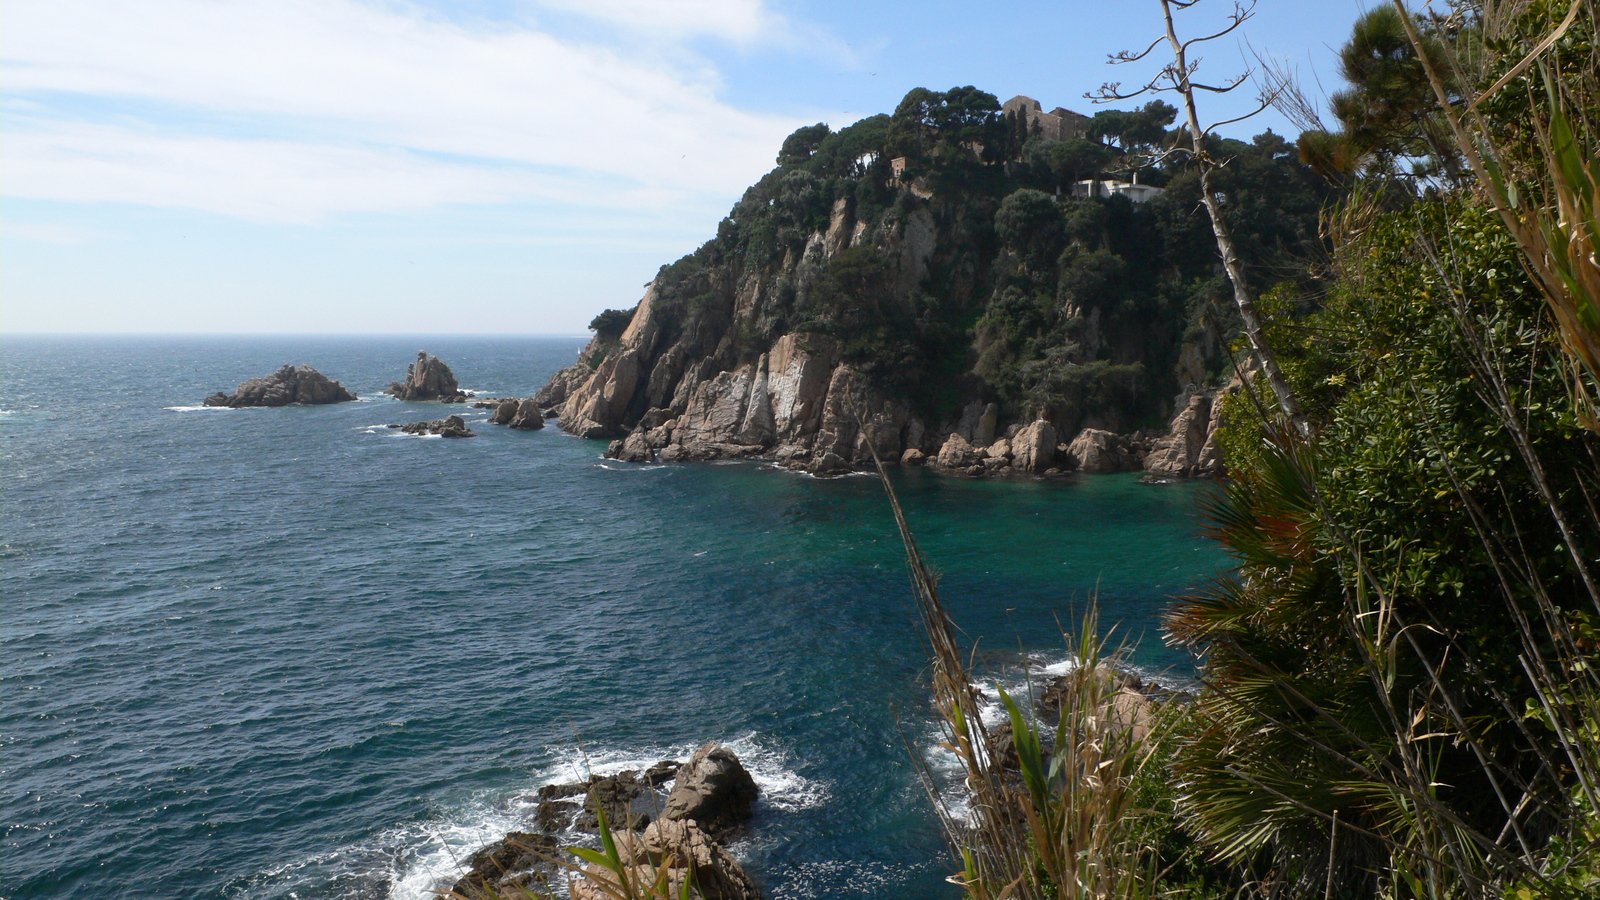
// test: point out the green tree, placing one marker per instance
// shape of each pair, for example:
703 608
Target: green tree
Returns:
610 324
799 146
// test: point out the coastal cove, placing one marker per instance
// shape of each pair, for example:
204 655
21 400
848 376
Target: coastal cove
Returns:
293 652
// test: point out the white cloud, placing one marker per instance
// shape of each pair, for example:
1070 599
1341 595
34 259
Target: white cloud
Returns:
288 110
737 21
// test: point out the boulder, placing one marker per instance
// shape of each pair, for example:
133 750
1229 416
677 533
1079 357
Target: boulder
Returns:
681 851
427 379
1033 448
713 789
1000 449
913 457
829 464
504 411
300 385
956 453
449 426
633 448
1128 704
1098 451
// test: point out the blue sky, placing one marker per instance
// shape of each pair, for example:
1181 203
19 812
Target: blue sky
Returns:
383 166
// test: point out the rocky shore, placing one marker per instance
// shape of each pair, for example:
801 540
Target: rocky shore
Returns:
799 406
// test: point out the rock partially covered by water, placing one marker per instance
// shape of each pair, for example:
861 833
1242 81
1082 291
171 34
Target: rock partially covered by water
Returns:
518 862
521 414
449 426
630 799
428 379
714 789
289 385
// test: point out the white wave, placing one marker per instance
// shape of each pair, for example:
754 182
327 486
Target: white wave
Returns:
194 408
12 412
631 467
433 855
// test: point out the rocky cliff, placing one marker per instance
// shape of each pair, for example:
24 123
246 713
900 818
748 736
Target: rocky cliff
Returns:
944 309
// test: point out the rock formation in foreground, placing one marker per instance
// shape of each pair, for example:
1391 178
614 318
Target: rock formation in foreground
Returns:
288 386
449 426
428 379
671 815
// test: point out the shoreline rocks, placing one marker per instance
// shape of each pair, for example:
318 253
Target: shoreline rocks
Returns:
428 379
290 385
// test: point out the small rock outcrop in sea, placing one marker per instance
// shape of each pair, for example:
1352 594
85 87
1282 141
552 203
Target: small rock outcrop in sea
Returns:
520 414
713 789
671 814
288 386
428 379
449 426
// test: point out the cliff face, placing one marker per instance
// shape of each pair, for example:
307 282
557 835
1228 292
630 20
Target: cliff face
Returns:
700 392
855 297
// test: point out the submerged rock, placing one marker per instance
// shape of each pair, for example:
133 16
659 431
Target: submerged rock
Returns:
428 379
449 426
289 385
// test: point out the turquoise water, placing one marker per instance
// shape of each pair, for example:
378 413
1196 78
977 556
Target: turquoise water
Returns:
274 653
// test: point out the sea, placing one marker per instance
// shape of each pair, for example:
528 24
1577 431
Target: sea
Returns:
274 653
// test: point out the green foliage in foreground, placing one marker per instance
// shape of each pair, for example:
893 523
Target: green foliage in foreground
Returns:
1401 690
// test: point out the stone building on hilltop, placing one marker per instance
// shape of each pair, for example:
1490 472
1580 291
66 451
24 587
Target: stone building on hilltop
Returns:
1059 124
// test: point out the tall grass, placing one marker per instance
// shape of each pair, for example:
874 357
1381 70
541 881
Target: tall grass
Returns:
1064 811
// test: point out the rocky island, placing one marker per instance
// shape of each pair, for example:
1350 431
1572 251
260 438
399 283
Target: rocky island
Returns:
290 385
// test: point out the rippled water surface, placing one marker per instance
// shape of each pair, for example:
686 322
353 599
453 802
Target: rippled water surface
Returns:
273 653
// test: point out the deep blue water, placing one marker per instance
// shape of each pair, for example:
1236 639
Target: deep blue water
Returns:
273 653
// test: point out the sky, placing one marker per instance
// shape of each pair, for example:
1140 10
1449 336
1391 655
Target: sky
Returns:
477 166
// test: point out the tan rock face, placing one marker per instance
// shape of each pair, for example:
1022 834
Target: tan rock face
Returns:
1033 448
1099 452
955 453
1177 455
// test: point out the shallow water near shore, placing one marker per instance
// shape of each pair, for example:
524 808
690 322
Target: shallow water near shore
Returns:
289 652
